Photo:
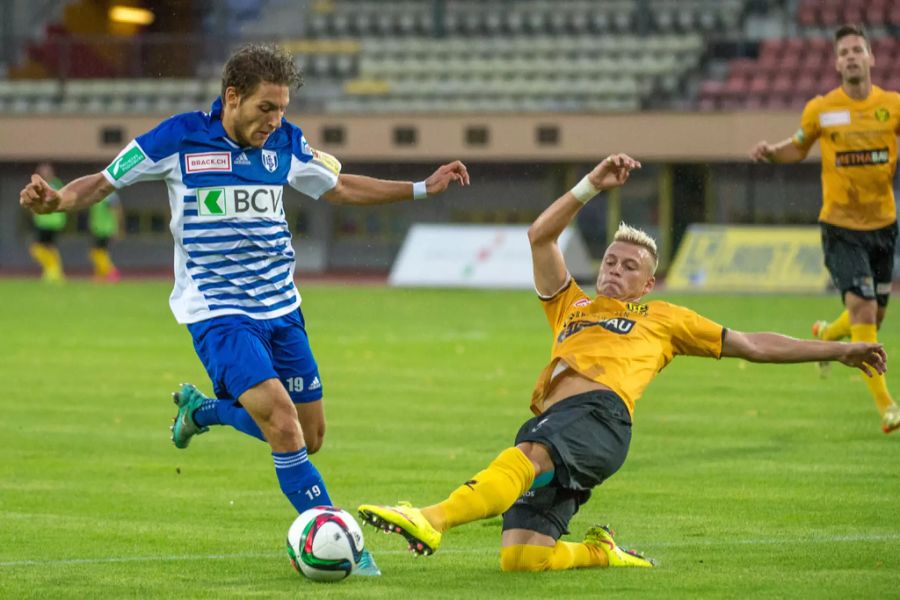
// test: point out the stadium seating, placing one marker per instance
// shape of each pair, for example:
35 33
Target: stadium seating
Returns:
613 72
470 55
497 56
788 72
471 18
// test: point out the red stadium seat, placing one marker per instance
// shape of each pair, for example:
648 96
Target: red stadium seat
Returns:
813 60
735 88
770 51
759 86
806 85
829 16
711 88
875 15
822 46
893 16
790 62
853 14
742 68
782 85
807 16
794 46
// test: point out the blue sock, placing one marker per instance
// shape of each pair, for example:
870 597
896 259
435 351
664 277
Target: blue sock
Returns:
226 412
300 480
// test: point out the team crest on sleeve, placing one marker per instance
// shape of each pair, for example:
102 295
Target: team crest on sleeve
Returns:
270 160
304 146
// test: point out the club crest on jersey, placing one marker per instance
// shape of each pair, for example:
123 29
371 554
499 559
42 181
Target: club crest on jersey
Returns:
636 307
270 160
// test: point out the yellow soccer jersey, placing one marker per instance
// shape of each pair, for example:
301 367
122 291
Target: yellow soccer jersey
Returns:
858 139
622 345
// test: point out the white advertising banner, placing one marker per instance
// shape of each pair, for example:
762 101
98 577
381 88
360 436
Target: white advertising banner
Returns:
478 256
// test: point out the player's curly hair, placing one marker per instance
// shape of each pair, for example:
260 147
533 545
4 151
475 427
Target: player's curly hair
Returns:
632 235
256 63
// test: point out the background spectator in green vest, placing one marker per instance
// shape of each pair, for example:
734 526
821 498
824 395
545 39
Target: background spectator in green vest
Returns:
47 228
105 221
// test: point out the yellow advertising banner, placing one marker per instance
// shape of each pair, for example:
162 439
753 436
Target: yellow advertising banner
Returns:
725 258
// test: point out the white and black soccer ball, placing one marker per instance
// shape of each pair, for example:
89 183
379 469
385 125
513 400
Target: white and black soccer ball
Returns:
325 543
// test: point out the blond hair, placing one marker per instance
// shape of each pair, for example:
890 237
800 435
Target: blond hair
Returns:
632 235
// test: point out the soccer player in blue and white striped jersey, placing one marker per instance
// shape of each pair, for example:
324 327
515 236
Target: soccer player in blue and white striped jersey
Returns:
234 262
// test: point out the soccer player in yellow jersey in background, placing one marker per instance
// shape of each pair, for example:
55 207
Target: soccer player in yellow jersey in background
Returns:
857 126
605 352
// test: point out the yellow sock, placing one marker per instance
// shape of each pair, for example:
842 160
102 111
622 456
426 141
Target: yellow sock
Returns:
53 271
487 494
838 329
565 555
49 259
40 253
102 263
867 332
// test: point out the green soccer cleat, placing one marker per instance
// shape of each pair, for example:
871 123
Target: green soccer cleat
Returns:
366 566
818 331
405 520
188 399
600 536
890 420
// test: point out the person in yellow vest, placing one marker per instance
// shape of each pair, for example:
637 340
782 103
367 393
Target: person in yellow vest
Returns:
105 223
47 227
857 126
605 351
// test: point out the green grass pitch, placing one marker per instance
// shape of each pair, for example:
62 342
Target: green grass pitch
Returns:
743 479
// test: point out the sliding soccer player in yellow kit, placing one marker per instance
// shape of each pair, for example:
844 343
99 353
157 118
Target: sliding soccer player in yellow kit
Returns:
604 353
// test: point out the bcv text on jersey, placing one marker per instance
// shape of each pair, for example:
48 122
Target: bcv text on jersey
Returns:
241 201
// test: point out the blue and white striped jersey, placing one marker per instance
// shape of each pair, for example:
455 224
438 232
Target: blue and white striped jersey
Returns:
233 252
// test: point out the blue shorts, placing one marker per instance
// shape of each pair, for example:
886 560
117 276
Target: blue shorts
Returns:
239 352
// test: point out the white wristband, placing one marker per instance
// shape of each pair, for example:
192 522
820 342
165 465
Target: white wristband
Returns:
584 190
420 191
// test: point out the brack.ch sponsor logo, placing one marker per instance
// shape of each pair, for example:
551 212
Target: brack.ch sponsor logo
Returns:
207 161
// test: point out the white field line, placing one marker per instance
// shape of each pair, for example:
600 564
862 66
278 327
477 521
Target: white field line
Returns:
679 544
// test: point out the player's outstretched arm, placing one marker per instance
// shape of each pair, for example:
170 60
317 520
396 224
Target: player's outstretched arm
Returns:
784 151
40 198
359 189
777 348
550 272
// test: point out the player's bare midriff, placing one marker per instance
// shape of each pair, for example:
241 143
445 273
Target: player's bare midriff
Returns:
570 383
